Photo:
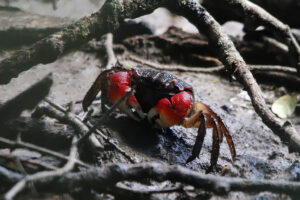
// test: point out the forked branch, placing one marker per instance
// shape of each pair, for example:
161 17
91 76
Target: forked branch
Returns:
235 64
257 16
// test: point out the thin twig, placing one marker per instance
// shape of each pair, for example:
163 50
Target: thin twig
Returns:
113 144
39 149
276 73
273 68
23 171
67 118
19 186
111 58
177 68
28 160
8 176
275 43
181 68
104 117
259 16
79 123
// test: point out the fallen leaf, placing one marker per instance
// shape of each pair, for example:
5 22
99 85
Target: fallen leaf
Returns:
285 105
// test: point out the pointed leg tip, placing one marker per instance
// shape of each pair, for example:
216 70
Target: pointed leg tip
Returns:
84 106
209 169
190 159
234 157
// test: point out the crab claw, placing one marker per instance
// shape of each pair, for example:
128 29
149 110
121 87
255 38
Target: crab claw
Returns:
119 85
135 107
169 112
132 108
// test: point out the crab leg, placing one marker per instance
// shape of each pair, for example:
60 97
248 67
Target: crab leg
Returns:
228 139
93 91
215 147
200 138
224 131
219 130
206 118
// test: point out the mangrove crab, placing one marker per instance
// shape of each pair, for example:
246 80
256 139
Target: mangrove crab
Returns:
164 100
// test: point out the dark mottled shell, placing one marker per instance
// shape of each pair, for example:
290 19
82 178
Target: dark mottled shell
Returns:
152 85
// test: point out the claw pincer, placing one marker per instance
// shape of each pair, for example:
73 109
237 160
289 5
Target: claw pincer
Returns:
172 110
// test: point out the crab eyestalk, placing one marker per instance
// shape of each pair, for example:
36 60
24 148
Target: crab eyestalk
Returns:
169 112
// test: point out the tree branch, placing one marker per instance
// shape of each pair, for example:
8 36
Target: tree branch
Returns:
181 68
101 179
235 64
286 11
271 73
257 16
50 48
111 58
47 50
39 149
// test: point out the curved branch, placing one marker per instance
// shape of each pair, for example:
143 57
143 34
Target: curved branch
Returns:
111 58
256 15
43 150
286 11
235 64
48 49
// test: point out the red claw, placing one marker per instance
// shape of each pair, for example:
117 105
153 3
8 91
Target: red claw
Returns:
173 112
119 84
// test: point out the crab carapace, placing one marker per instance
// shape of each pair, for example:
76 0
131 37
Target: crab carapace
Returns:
164 100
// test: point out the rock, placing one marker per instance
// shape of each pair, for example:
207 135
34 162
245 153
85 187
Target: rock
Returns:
294 171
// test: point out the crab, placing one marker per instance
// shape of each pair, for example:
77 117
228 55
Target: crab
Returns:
164 100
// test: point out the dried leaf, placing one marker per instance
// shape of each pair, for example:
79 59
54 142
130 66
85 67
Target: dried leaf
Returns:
285 105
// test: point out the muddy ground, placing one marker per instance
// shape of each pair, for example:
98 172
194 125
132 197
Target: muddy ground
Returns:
261 154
